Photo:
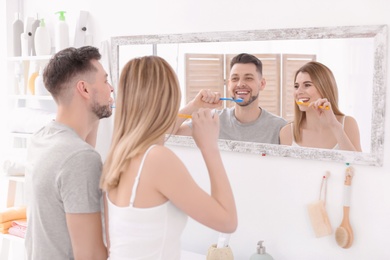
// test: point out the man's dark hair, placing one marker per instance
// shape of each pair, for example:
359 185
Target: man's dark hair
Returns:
66 64
246 58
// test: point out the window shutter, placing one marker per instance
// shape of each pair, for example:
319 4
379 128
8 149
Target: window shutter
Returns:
203 71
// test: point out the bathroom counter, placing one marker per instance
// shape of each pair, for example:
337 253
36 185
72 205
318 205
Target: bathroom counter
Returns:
187 255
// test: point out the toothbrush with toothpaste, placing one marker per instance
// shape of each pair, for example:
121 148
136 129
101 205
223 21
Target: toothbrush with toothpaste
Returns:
301 102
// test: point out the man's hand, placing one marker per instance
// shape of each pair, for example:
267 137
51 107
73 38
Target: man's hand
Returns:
206 99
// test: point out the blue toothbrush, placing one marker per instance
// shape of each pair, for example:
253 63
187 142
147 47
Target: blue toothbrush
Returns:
238 100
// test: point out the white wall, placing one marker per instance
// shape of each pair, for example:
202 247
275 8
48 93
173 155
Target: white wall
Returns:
271 193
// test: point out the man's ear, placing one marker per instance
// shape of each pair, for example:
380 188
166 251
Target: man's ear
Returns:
82 88
262 84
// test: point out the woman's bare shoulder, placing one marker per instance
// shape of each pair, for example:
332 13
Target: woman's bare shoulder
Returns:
285 134
162 155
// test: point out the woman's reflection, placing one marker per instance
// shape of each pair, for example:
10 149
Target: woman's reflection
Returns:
318 122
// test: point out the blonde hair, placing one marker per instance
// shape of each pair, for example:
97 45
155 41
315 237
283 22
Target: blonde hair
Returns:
324 81
147 105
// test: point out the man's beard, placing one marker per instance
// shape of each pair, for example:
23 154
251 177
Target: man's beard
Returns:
244 104
102 111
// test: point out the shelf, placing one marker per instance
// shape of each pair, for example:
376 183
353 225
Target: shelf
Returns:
29 58
16 178
31 97
12 238
19 179
21 135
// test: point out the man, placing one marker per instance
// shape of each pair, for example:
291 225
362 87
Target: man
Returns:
246 121
62 180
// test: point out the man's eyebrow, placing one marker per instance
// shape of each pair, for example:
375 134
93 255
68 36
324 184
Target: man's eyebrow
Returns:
246 74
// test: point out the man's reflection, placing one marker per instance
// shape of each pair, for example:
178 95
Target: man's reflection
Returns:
245 121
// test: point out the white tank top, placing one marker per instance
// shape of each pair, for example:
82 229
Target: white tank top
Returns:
336 147
145 233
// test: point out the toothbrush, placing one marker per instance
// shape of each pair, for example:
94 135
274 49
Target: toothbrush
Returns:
307 104
185 116
238 100
223 240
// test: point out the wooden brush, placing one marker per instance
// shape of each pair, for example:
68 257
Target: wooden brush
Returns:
344 233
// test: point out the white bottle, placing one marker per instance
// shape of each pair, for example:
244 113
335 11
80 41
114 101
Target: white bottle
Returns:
35 26
28 27
40 89
24 44
17 30
61 32
19 76
42 40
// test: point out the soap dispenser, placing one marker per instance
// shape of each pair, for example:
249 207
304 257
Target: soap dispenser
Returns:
42 40
261 254
61 32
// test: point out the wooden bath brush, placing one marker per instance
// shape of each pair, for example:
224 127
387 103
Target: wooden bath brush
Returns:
344 233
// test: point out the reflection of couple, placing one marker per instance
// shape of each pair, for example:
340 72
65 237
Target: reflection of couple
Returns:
317 122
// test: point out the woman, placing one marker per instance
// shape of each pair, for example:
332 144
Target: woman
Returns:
149 192
318 122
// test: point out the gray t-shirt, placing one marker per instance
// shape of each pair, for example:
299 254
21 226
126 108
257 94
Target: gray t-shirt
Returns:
62 176
264 129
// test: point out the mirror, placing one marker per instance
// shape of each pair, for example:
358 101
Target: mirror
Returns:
355 54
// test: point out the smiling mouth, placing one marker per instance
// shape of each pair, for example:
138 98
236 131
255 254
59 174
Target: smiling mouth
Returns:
302 101
241 93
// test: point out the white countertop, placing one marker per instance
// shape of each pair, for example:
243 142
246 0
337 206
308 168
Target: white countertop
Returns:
187 255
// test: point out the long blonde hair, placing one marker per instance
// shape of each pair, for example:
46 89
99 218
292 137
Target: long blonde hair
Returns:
324 81
147 106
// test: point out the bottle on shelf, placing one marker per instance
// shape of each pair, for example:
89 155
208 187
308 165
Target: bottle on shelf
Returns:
42 40
34 70
40 89
19 79
24 44
61 32
17 30
34 28
29 35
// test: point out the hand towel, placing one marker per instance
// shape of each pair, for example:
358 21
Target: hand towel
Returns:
18 228
13 213
5 226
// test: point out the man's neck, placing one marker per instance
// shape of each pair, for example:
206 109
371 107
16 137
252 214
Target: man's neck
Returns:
77 121
247 114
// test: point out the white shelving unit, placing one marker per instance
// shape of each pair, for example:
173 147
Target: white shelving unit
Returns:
18 101
21 103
